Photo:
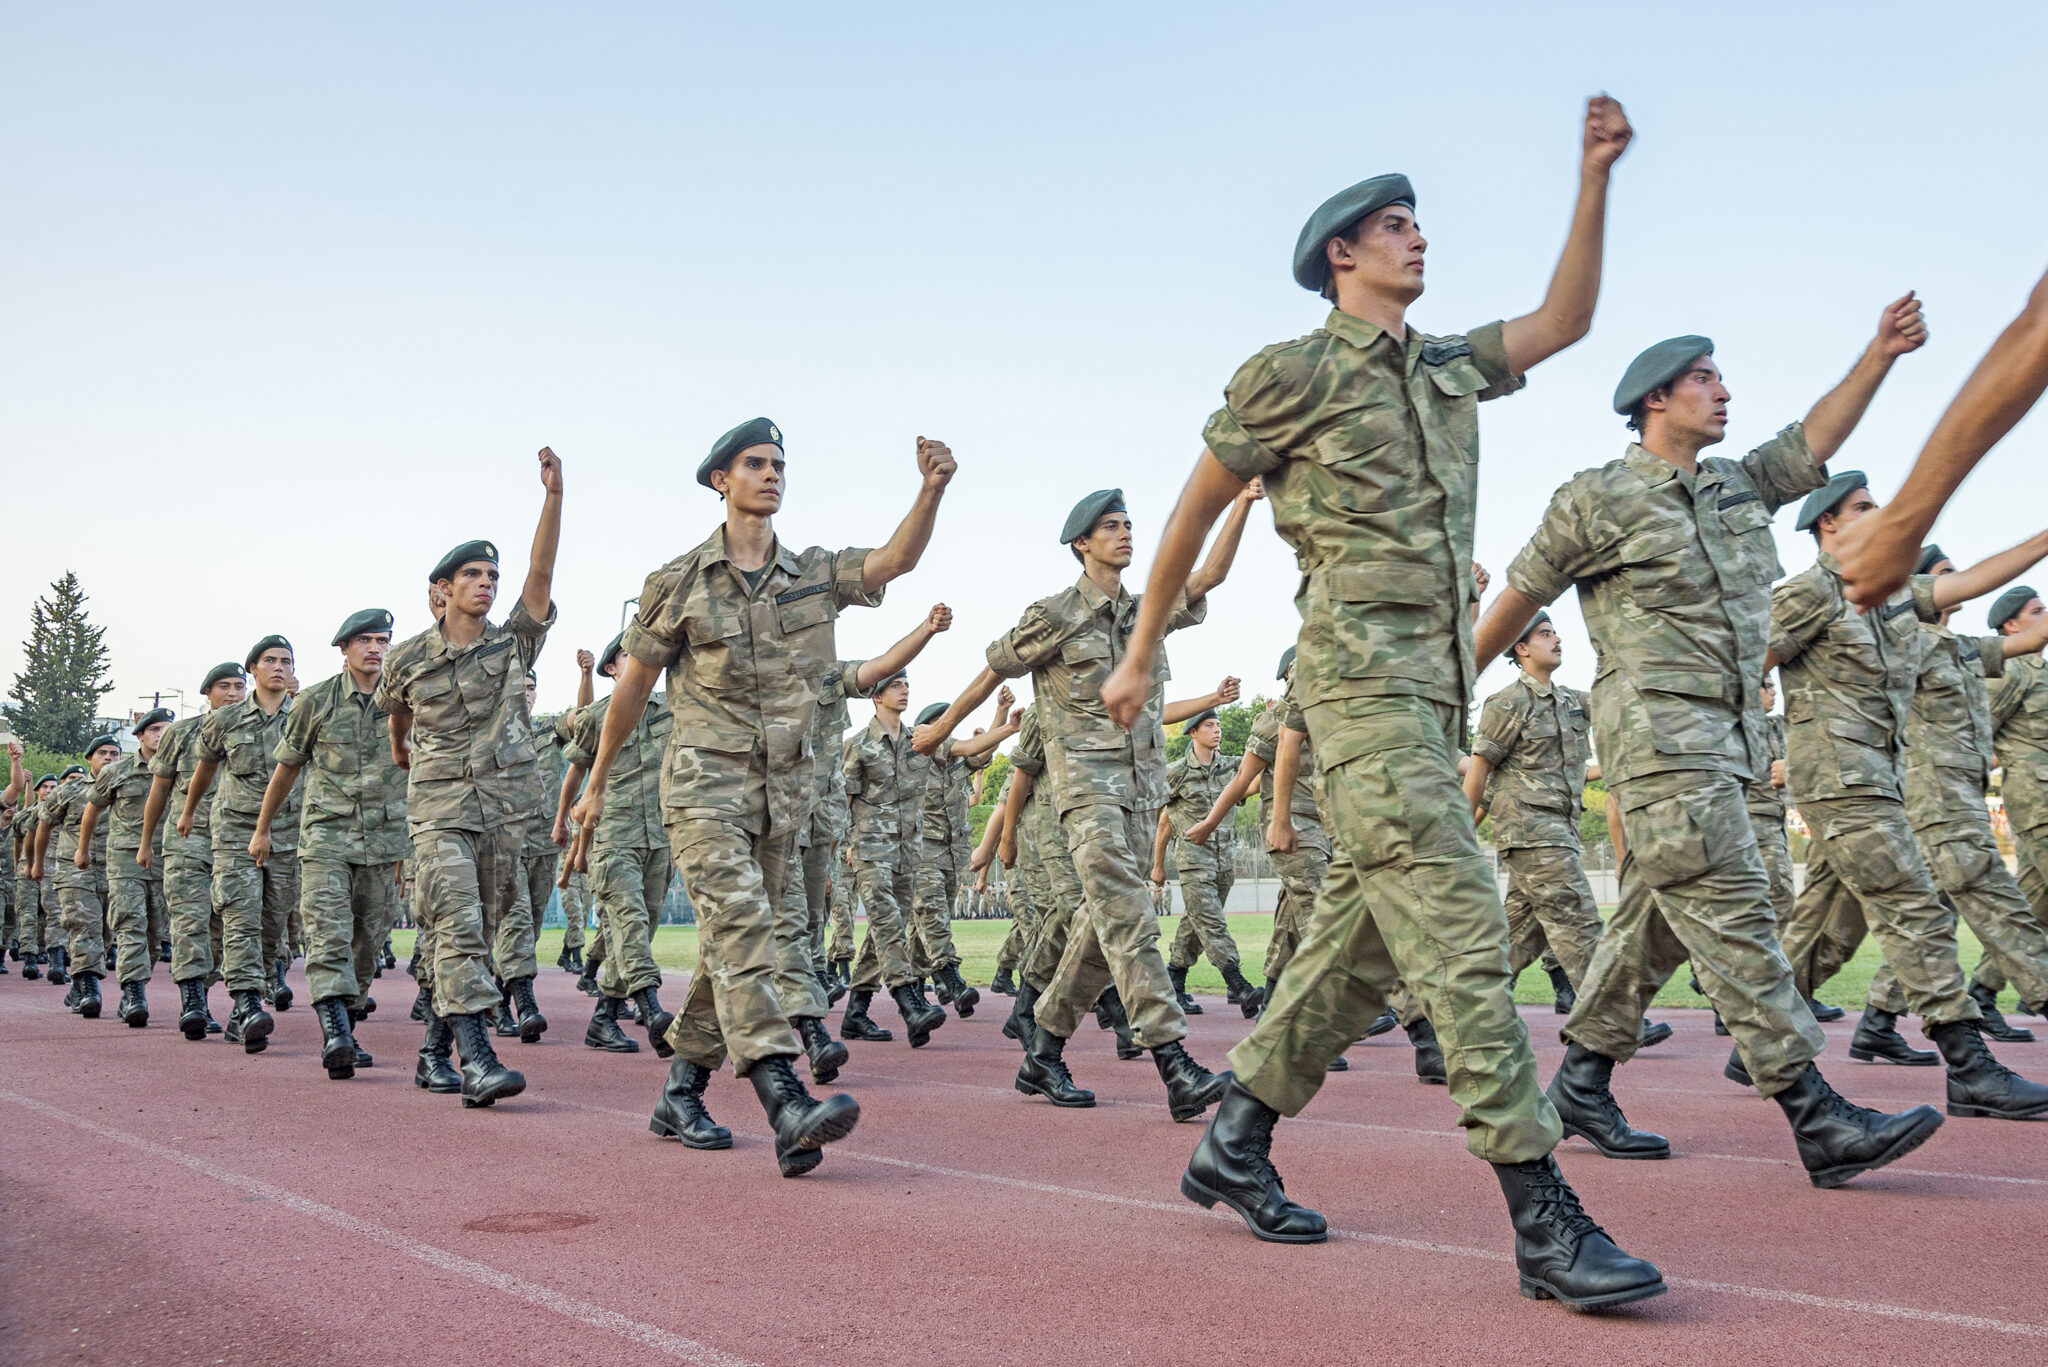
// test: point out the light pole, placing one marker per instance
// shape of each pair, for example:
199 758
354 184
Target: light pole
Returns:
624 614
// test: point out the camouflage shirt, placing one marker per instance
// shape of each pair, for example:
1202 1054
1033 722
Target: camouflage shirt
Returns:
886 782
829 817
743 666
1191 792
122 791
2019 712
1369 448
23 827
62 810
1674 575
948 806
1849 679
243 742
1264 742
550 739
177 759
354 793
1534 736
472 744
632 796
1948 737
1069 643
1765 799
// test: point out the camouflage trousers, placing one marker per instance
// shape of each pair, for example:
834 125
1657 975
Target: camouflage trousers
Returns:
629 886
255 908
39 929
886 889
82 902
844 896
1115 937
799 919
734 881
469 884
135 899
575 906
348 910
1872 870
1408 897
1976 886
1550 904
197 935
939 868
1302 870
1023 921
2032 848
1703 895
1206 877
10 925
1065 894
537 873
1777 856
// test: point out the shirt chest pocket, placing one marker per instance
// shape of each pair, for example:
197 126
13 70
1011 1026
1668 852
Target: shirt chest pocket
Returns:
1666 568
1746 526
719 659
803 610
248 756
339 749
1087 663
482 676
432 697
1456 411
1368 476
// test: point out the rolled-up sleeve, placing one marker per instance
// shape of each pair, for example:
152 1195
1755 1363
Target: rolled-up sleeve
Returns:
581 750
1990 655
212 746
1783 468
655 635
849 569
1559 552
301 732
1490 358
530 634
1242 433
1800 611
1921 586
1500 729
1033 642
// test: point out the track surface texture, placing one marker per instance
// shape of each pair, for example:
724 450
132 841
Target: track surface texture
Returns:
181 1203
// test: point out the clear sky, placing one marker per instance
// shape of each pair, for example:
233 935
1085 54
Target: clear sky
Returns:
294 293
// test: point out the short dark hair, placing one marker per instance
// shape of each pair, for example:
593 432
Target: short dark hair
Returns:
1642 408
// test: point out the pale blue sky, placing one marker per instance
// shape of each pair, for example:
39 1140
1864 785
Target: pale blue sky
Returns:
294 293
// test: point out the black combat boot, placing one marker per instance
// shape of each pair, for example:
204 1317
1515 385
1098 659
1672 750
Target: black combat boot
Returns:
1877 1039
1822 1011
827 1055
1045 1072
134 1007
390 959
1382 1023
70 1002
502 1022
1978 1084
857 1025
363 1059
1563 996
249 1025
1585 1103
1106 1013
484 1079
1188 1005
1127 1046
562 959
587 984
422 1002
1560 1253
362 1010
1250 1000
31 967
1339 1064
280 990
1190 1088
842 969
1735 1071
192 1008
1005 984
1837 1139
920 1017
435 1073
964 996
532 1024
1993 1022
603 1031
1020 1025
59 961
1429 1055
834 985
680 1113
942 991
163 951
1234 1164
803 1125
337 1041
656 1020
88 995
1650 1033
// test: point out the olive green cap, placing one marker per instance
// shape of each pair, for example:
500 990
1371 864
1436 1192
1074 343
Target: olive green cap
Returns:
71 769
362 624
151 718
1930 556
611 652
1657 367
1542 616
109 741
447 565
932 712
1188 727
1829 497
270 642
226 669
2009 605
1089 511
1286 661
752 432
876 691
1335 215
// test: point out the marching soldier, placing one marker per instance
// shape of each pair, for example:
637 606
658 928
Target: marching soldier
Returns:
135 890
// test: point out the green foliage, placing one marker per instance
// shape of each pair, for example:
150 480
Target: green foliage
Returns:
1236 719
64 672
39 762
1593 817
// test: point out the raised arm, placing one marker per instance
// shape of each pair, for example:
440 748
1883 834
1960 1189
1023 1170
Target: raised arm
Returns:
1566 313
935 466
899 656
1506 620
16 778
1992 572
586 686
927 739
1223 552
1226 693
631 688
540 568
976 746
1900 329
1248 770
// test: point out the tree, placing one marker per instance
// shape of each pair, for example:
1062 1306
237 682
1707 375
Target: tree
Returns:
1236 719
64 675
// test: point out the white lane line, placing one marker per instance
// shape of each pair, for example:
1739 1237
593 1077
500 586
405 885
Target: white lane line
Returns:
583 1312
1186 1208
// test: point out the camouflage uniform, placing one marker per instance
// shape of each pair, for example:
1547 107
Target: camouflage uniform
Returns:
943 857
1674 576
1206 870
2019 710
801 917
844 900
1025 891
1303 868
471 784
551 737
10 928
630 867
1535 737
1767 818
1849 684
188 860
885 788
40 927
81 893
1042 844
739 782
352 833
254 901
135 895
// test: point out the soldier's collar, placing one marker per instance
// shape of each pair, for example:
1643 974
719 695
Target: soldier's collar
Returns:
714 551
1653 468
1540 690
1353 329
1828 562
1092 594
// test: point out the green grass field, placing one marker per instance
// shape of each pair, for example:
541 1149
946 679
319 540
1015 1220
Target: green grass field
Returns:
676 947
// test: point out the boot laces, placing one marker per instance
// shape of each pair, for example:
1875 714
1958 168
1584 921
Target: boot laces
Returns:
1556 1202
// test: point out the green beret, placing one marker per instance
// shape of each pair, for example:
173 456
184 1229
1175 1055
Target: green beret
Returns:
611 652
932 712
1829 497
270 642
1286 661
876 691
1657 367
48 778
447 565
1089 511
2009 605
362 624
1188 728
151 718
752 432
1335 215
109 741
227 669
71 769
1542 616
1930 556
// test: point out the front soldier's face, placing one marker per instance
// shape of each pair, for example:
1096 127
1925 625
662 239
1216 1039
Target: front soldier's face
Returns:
1546 647
1387 257
1696 403
274 669
755 481
474 588
1209 734
896 696
1109 542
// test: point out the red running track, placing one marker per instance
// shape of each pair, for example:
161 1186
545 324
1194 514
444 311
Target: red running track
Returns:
173 1203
